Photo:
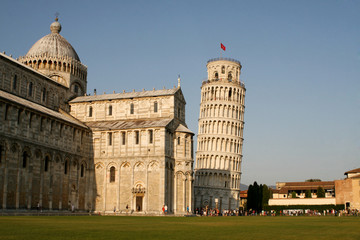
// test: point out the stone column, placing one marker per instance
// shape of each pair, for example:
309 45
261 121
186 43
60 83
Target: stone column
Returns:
184 192
104 190
175 193
18 185
190 194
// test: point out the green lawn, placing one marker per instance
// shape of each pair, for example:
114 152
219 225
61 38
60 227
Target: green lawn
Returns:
108 227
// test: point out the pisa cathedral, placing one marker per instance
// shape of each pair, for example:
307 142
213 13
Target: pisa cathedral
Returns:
61 148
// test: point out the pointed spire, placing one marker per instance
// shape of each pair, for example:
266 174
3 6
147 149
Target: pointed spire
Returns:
179 81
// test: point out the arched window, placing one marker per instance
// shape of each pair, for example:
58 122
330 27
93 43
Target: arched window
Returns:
216 75
178 140
123 136
46 164
14 86
131 108
65 167
137 137
109 138
223 69
30 90
155 106
230 93
230 76
24 159
112 174
76 88
82 170
110 110
90 111
151 136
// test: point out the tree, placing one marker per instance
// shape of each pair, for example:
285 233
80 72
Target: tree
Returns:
258 197
320 192
293 194
266 195
253 197
313 180
308 194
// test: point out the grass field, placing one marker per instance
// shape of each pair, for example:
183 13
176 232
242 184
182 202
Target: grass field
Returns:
108 227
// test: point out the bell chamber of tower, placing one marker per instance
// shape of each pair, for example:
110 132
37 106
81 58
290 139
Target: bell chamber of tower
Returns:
220 136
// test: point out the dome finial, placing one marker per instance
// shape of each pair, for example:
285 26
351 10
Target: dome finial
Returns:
55 27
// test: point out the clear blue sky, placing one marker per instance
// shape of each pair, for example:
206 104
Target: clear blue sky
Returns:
301 67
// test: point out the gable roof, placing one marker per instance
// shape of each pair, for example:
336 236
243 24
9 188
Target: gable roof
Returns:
61 115
114 96
128 124
357 170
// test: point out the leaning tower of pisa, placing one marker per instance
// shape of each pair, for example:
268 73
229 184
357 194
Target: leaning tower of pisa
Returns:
220 136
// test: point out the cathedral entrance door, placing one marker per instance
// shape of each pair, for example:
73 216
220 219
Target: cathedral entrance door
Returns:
139 203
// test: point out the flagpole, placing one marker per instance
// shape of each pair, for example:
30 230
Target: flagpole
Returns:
220 51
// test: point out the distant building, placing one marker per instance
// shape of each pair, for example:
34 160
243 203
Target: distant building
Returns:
346 191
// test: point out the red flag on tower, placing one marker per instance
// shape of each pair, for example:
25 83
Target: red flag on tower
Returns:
222 47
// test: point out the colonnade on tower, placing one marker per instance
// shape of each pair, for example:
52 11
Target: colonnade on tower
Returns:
220 136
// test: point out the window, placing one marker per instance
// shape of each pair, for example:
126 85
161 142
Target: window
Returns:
230 93
155 106
82 170
137 136
178 140
19 116
46 164
30 90
230 76
185 146
123 136
110 110
216 75
24 159
65 167
6 112
112 174
110 139
223 69
151 136
132 108
14 82
76 88
44 95
90 111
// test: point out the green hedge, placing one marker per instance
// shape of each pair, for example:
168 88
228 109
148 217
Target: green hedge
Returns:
311 207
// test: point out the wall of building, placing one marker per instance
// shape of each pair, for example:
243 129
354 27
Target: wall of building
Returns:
302 201
24 82
348 192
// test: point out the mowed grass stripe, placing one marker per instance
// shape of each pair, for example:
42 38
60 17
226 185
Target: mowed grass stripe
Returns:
109 227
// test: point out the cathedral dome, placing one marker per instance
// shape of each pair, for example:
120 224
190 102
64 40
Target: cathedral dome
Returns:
53 45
